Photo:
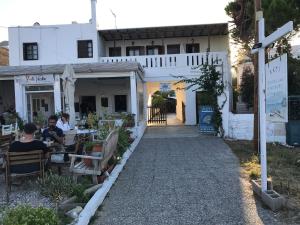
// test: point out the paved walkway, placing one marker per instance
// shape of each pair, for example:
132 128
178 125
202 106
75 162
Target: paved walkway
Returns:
177 176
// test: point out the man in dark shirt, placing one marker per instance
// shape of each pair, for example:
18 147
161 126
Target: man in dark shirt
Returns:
53 133
27 143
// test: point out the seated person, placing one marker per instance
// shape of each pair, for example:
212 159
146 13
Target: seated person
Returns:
27 143
63 122
53 133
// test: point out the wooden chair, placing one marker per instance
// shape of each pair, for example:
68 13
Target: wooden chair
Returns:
5 142
22 158
99 163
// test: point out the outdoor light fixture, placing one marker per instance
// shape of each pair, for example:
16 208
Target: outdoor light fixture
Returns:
257 45
132 43
152 42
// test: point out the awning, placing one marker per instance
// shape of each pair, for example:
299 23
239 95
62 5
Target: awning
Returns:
164 32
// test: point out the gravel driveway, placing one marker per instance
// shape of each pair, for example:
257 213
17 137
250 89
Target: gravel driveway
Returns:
176 176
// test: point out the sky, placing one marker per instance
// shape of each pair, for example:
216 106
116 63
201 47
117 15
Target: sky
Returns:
129 13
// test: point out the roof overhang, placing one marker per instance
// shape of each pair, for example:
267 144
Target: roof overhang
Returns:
9 71
165 32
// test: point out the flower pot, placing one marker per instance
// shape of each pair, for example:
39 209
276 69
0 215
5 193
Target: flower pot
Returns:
97 148
88 162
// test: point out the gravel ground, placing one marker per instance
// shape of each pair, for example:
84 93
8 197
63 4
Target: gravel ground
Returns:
23 193
176 176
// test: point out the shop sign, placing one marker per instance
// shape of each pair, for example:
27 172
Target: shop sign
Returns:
277 92
37 79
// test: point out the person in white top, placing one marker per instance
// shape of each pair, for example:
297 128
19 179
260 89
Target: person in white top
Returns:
63 122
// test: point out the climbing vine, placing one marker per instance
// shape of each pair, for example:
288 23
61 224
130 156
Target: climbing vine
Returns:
211 83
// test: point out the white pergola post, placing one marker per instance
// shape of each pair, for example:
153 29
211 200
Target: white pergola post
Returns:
263 43
133 96
57 94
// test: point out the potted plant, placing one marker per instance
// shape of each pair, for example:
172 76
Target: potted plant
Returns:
129 120
92 121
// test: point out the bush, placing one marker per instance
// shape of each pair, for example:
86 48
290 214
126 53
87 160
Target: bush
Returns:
27 215
55 187
123 141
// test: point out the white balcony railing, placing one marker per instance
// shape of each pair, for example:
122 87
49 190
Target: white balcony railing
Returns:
170 61
166 67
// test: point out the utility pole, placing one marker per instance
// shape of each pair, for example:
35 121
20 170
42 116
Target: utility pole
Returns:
257 16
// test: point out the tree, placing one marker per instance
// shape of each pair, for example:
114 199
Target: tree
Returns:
210 82
247 86
276 12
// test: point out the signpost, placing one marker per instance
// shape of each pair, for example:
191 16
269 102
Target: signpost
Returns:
260 48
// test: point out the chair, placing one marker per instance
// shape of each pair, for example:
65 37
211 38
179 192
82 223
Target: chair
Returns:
99 163
7 129
5 142
22 158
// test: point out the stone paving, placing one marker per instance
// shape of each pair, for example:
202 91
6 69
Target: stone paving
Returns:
177 176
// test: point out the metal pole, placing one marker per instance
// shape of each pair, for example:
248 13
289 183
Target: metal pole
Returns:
262 105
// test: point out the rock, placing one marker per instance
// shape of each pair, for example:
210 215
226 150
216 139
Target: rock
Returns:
74 213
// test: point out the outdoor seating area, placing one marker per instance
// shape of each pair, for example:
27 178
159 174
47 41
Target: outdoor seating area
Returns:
84 158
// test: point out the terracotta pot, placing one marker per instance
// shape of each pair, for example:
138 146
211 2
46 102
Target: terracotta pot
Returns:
97 148
88 162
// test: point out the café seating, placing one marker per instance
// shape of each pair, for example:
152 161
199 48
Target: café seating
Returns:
19 159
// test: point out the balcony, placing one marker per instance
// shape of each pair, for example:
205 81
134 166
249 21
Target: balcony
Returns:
160 67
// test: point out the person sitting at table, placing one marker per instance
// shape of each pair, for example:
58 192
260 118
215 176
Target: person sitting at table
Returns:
27 143
53 133
63 122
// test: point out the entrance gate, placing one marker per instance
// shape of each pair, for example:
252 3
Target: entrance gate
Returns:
157 115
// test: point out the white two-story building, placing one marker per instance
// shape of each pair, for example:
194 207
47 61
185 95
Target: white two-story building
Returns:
115 70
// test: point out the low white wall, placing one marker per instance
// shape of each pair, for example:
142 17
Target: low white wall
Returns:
241 127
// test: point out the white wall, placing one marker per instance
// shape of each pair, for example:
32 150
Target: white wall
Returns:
241 127
57 44
103 88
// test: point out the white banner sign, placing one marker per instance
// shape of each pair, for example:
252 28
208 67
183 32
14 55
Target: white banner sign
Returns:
165 87
277 92
37 79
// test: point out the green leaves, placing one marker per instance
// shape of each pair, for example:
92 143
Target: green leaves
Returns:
27 215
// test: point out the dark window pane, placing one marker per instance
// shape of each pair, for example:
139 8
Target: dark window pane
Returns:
120 103
135 51
173 49
30 51
114 51
155 50
192 48
104 102
85 49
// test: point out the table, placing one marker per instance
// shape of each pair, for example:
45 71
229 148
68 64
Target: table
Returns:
86 131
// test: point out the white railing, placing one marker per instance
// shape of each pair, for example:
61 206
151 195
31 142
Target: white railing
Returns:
171 61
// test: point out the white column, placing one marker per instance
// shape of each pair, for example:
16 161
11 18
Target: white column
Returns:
57 94
190 107
262 106
133 96
19 98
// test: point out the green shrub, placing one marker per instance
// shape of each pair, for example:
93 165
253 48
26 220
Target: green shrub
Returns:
27 215
55 187
78 191
123 141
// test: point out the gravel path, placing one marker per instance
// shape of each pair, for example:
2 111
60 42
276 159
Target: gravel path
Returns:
177 176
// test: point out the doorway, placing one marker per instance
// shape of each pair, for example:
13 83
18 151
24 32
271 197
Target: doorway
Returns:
39 103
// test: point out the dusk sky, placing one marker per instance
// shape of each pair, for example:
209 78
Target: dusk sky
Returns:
130 13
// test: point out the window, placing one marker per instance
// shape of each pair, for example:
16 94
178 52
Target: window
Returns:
135 51
115 51
85 49
104 102
173 49
155 50
120 103
192 48
30 51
